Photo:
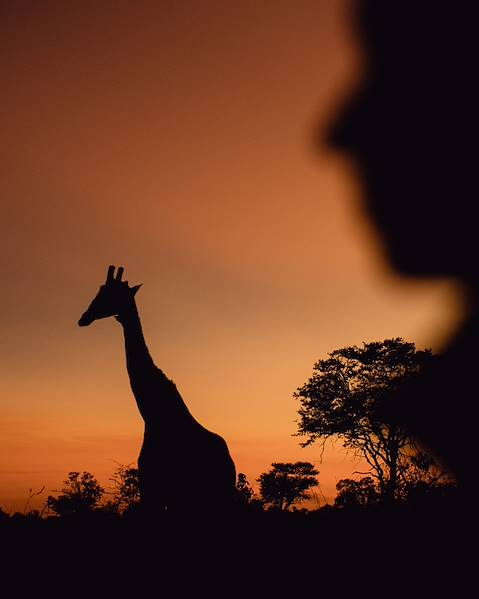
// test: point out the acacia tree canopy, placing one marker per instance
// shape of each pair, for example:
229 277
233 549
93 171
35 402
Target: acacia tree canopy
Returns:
80 495
287 483
357 493
346 397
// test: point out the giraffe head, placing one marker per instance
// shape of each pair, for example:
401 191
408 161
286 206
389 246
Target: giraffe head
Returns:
113 298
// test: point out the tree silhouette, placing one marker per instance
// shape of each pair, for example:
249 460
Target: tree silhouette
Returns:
126 488
346 397
243 489
80 495
286 484
357 493
3 515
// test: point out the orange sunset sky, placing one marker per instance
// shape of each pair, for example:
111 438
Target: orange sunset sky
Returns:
175 138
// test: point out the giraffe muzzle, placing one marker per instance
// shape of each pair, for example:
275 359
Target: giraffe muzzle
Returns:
85 320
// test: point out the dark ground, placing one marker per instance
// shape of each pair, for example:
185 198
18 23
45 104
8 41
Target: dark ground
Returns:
412 550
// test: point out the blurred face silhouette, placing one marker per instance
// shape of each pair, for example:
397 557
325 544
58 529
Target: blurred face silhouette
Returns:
412 128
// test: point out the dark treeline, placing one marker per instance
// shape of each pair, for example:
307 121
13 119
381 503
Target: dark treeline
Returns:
402 522
418 545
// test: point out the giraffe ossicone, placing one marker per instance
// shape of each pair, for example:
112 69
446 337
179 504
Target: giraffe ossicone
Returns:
113 297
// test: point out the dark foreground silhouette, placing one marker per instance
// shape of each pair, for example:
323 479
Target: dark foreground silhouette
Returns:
412 127
178 454
382 551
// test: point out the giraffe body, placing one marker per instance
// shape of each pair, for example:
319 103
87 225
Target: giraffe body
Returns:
182 465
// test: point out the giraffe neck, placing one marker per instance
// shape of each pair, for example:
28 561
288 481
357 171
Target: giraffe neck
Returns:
138 359
158 399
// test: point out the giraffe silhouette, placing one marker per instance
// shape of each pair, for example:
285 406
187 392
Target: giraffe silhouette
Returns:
183 467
